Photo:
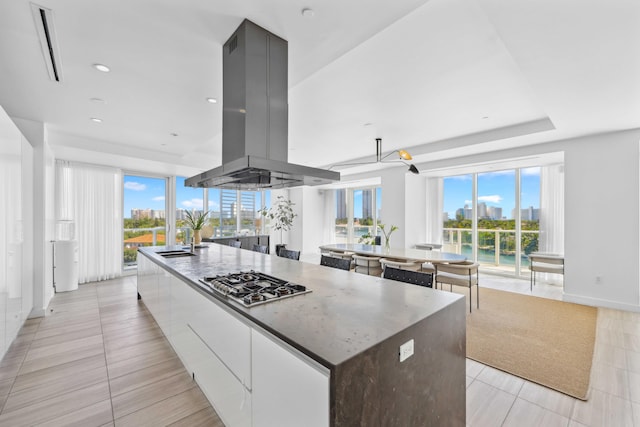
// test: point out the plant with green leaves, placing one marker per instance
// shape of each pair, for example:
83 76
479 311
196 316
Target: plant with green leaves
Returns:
387 235
367 239
196 220
281 212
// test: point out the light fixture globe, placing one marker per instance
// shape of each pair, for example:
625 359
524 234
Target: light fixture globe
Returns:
404 155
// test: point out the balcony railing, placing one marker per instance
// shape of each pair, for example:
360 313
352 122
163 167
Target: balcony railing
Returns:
502 254
342 232
156 237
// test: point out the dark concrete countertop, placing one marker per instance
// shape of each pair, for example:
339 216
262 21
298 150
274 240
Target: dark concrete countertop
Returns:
345 314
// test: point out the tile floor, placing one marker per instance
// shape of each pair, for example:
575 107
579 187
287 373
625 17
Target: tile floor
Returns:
98 358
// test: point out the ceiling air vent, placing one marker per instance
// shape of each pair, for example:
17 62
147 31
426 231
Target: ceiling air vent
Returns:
43 18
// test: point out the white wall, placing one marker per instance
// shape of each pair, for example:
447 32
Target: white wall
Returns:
394 204
44 214
415 214
308 232
27 229
602 192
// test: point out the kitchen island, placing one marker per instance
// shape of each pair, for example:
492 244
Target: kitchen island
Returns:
330 357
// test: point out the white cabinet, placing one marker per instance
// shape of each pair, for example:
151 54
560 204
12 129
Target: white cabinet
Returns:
148 283
215 346
11 231
163 301
250 378
288 391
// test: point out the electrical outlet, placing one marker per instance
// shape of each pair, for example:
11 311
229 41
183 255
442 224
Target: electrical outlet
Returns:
406 350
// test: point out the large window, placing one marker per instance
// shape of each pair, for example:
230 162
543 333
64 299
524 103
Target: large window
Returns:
496 215
188 199
235 212
357 213
493 217
458 214
529 212
144 215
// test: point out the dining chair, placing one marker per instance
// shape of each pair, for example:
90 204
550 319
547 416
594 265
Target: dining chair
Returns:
235 243
460 274
287 253
368 265
545 263
263 249
344 255
401 264
341 263
428 267
413 277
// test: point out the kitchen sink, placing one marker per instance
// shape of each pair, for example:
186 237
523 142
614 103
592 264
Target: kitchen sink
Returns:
175 254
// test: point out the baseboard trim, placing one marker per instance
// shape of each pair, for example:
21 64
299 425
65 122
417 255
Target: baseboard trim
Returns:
37 312
598 302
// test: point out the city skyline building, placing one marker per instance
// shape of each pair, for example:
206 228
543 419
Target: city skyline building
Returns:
367 204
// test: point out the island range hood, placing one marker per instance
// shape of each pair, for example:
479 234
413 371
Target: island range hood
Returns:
255 118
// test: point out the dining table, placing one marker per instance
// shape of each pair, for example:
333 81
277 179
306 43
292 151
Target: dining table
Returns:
406 254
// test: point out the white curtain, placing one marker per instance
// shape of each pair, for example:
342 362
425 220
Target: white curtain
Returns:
91 196
552 209
435 208
329 233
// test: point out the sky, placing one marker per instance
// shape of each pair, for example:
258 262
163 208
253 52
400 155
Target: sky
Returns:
149 193
495 189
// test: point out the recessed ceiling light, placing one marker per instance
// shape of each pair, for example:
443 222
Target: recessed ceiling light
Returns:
485 117
308 13
101 67
367 124
97 100
95 119
212 100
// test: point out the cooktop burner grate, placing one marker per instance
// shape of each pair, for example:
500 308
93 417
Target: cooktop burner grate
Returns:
252 288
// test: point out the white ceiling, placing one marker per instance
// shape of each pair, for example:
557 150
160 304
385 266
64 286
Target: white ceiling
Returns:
441 78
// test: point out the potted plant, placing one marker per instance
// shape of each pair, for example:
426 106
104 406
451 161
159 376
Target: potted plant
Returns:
282 215
367 239
195 221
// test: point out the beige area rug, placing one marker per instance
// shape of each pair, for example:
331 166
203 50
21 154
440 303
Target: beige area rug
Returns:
544 341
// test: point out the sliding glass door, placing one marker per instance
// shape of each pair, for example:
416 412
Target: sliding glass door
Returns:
493 217
357 213
144 215
496 214
458 215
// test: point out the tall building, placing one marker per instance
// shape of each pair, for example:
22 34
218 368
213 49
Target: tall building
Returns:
494 212
341 203
464 213
482 210
367 204
147 213
530 214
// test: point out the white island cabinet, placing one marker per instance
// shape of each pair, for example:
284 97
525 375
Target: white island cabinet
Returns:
250 378
289 389
215 346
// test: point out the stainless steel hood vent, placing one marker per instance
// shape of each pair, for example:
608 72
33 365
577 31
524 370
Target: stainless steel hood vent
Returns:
255 118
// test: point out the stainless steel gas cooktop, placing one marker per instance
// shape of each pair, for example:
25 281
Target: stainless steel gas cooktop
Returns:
253 288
